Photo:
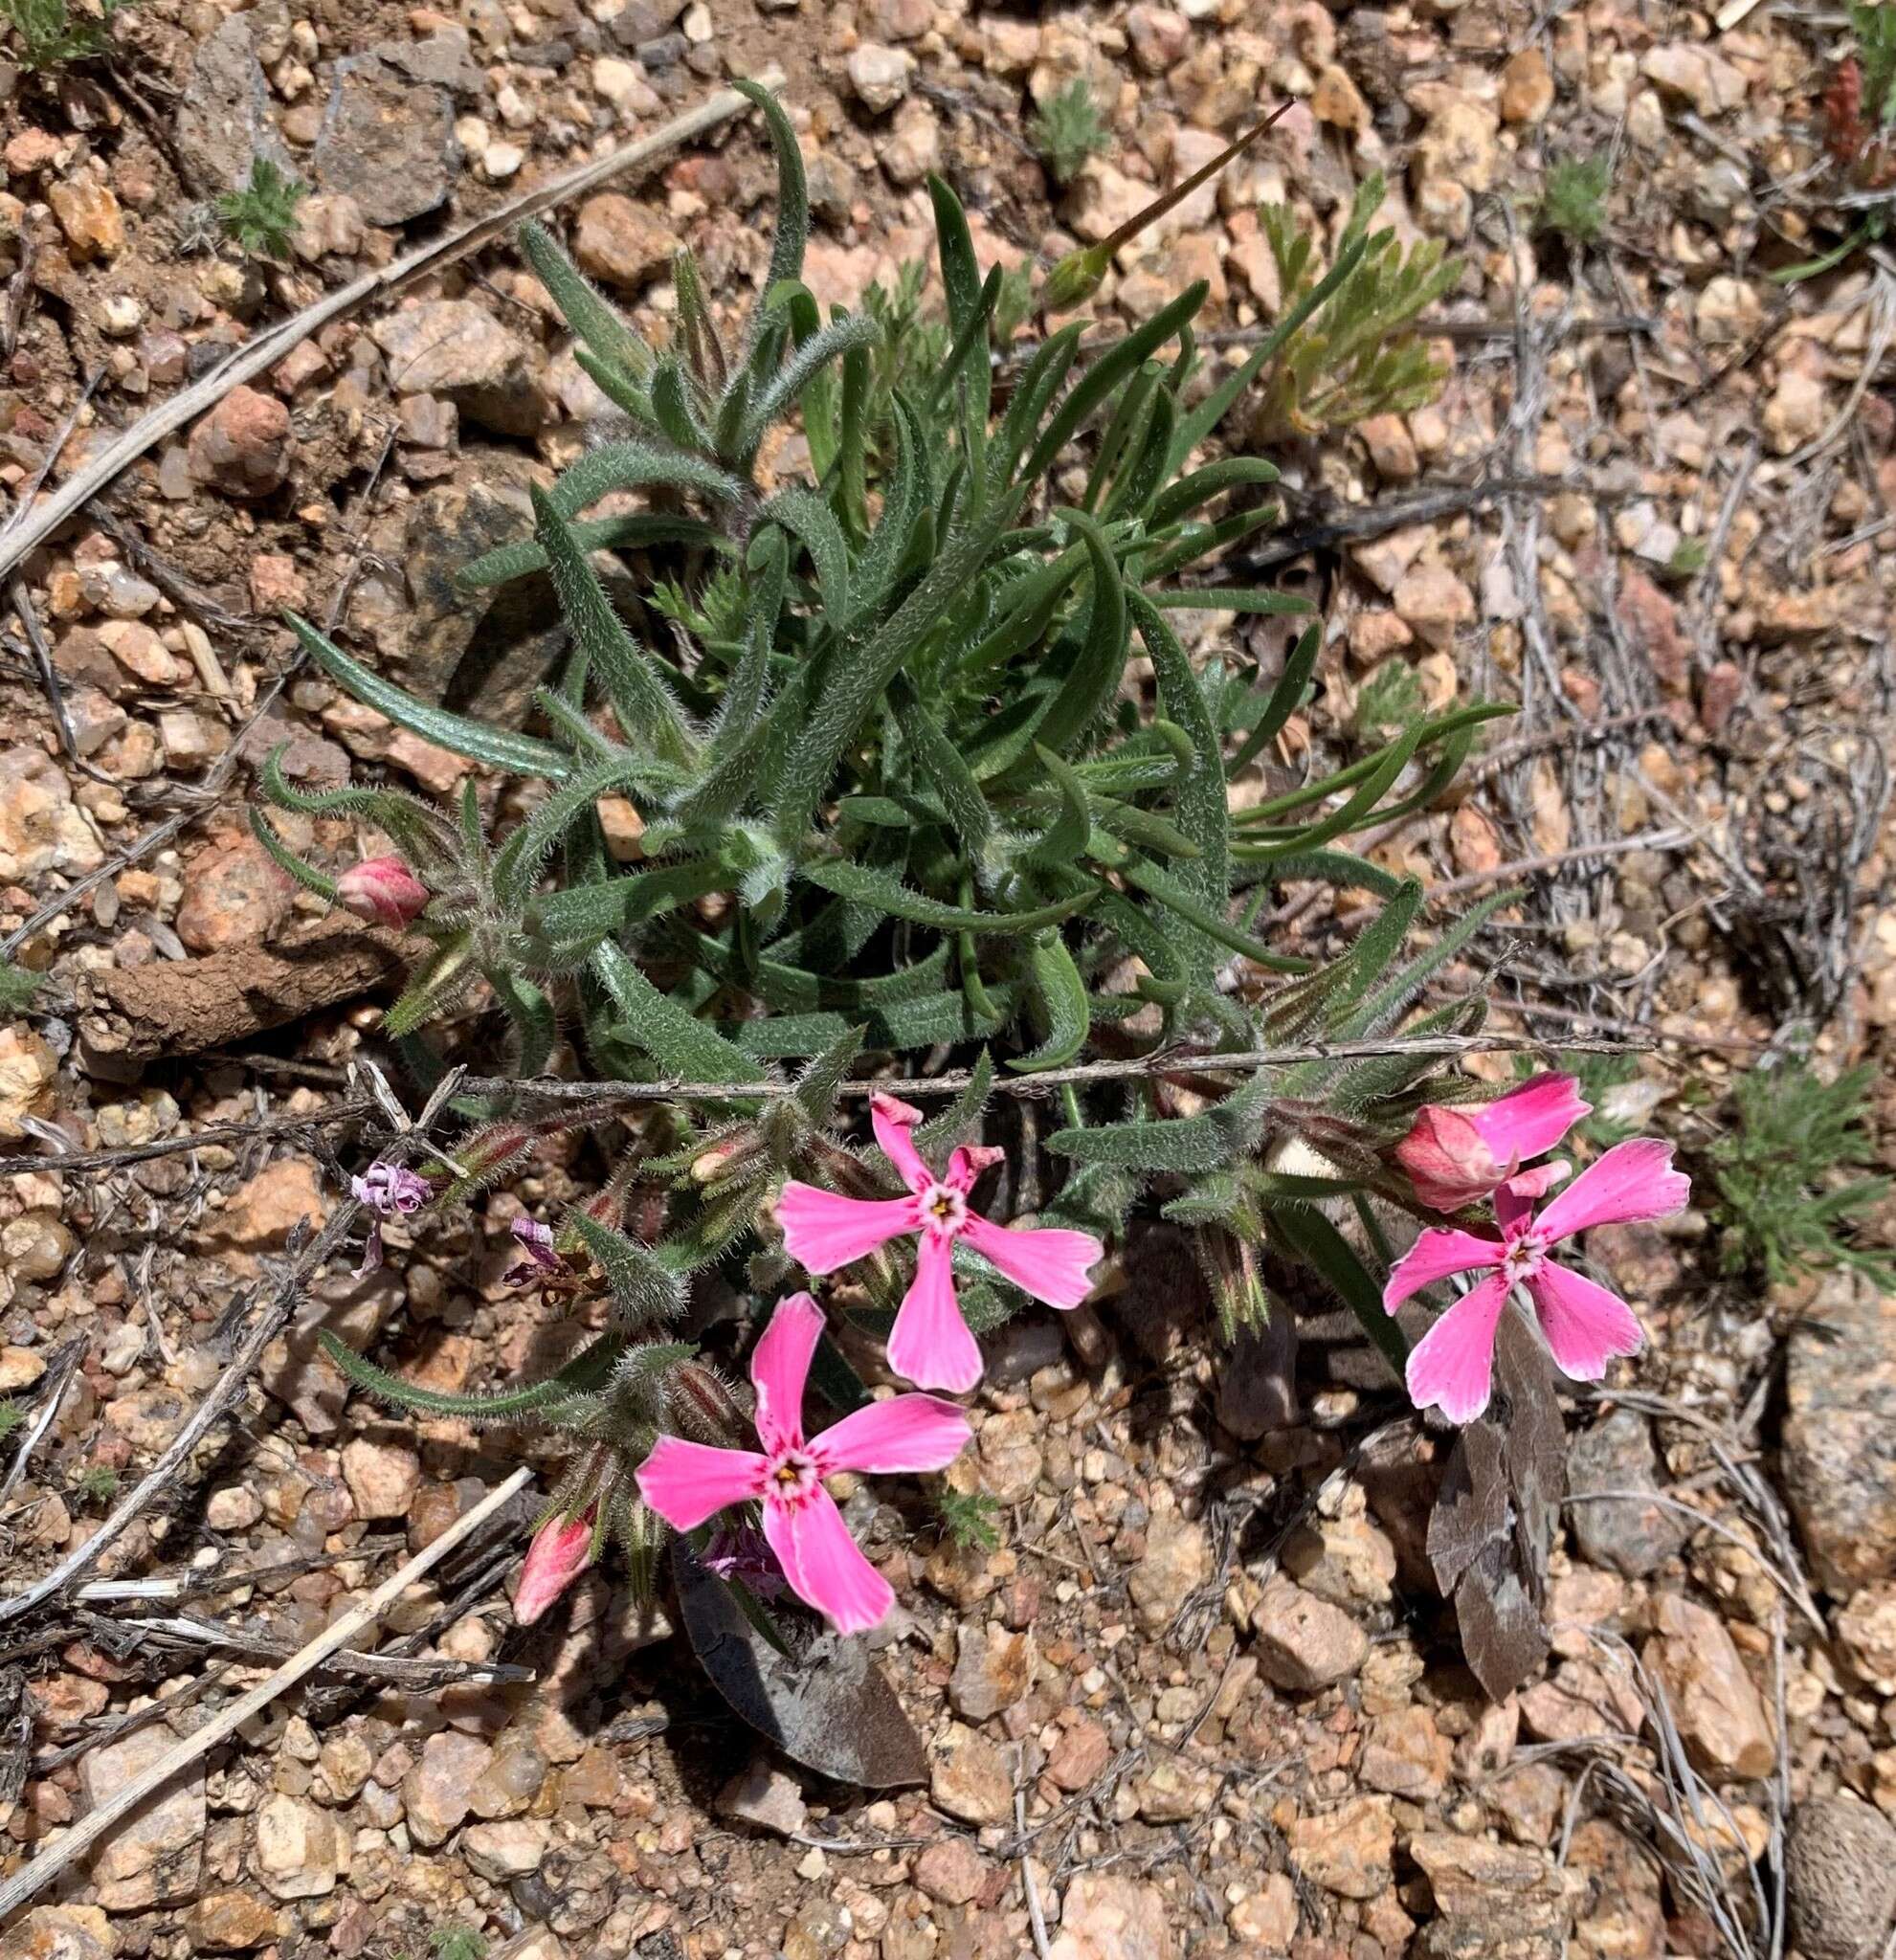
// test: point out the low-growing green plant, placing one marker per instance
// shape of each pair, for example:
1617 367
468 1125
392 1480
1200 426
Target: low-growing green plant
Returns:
19 986
98 1484
459 1943
929 782
54 33
1355 354
1858 118
12 1416
260 217
1388 701
1573 199
968 1516
1792 1175
1068 128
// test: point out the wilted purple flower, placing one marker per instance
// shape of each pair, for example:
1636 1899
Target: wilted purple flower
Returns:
536 1242
388 1190
744 1554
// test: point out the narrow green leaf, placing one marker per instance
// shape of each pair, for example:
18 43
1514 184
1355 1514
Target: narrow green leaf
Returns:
792 191
1062 995
1287 697
635 465
596 323
648 712
654 1022
645 1291
500 748
868 886
586 1373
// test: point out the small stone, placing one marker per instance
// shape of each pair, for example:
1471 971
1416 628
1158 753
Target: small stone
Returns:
1633 1535
1460 145
1797 412
1433 602
1406 1754
1079 1759
89 215
386 142
968 1777
1337 100
1839 1432
913 145
435 1791
154 1856
1304 1642
507 1849
224 118
299 1852
61 1932
231 1923
27 1069
500 161
1349 1560
951 1872
1840 1877
262 1212
1526 87
235 895
1266 1921
1392 448
457 348
1161 38
1105 1916
1173 1789
1710 85
327 227
243 446
1347 1850
19 1368
1008 1456
1721 1716
763 1794
879 75
1177 1562
620 240
383 1477
993 1670
1866 1632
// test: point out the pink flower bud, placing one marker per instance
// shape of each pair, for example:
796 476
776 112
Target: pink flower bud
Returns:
704 1402
383 891
1447 1159
561 1549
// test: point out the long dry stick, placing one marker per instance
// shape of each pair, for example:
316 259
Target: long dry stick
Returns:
1166 1062
269 1130
46 1867
37 521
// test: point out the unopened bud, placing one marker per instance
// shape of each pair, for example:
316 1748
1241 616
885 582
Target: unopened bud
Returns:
705 1404
383 891
561 1549
1076 279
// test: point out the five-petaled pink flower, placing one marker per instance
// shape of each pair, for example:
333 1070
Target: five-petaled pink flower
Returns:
930 1344
1455 1156
1584 1324
383 891
686 1483
561 1549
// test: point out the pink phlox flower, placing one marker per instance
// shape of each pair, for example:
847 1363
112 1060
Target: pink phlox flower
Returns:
388 1190
686 1483
744 1554
930 1344
1584 1324
1453 1156
561 1549
536 1242
383 891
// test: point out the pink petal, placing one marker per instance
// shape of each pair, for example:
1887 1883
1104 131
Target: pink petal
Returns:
967 1164
1452 1365
929 1342
1447 1159
892 1119
824 1230
1433 1256
779 1366
1584 1324
1632 1181
1531 1120
686 1483
1514 1197
1051 1264
906 1433
823 1563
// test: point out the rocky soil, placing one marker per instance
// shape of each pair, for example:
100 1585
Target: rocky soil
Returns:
1204 1696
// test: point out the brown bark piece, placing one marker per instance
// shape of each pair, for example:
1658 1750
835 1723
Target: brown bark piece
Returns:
183 1007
